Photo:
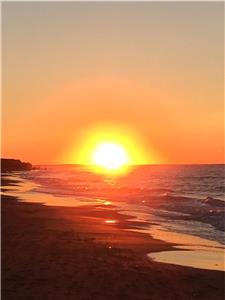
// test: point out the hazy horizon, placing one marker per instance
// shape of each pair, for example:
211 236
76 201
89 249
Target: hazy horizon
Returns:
133 165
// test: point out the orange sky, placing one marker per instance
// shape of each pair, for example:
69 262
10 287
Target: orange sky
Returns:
154 68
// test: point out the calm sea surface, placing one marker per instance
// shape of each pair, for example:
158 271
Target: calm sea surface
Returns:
199 181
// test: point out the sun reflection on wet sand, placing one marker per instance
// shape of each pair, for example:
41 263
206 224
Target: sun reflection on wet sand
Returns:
107 203
110 221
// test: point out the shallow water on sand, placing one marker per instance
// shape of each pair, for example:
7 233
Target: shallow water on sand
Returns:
201 259
191 251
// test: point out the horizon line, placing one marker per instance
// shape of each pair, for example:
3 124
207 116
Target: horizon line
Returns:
147 164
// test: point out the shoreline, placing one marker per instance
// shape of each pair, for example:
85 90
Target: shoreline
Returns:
209 211
82 258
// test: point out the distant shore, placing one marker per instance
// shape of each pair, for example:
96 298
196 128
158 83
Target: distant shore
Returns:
72 253
8 165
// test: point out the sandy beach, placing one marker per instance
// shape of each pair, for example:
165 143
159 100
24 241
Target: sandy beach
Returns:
112 150
73 253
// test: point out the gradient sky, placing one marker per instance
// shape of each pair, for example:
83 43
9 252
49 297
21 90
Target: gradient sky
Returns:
156 68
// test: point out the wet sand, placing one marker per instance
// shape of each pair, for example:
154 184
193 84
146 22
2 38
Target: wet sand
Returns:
72 253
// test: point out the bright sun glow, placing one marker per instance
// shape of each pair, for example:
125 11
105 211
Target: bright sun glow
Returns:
109 148
110 156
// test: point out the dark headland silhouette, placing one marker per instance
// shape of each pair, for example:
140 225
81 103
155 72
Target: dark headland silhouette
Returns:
8 164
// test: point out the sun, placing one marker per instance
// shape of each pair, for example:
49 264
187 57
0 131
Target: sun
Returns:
109 148
110 156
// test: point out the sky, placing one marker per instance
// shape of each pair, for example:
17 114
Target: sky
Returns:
155 68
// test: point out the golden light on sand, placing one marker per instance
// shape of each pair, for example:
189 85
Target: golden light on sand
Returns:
110 156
